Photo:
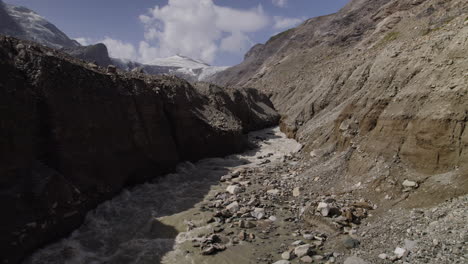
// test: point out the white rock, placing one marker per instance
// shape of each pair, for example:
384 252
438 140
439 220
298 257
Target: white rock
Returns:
383 256
411 184
297 243
297 191
323 208
258 213
286 255
273 191
233 207
233 189
302 250
399 252
272 218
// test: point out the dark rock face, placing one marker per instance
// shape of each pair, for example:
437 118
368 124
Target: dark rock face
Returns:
94 53
72 136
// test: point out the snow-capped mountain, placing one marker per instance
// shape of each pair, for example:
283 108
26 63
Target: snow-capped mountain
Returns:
23 23
182 66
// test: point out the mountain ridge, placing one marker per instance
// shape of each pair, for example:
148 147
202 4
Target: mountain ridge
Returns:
23 23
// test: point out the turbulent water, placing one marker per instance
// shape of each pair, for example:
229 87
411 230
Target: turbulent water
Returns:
146 224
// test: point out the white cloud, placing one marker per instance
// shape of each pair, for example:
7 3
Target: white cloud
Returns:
280 3
236 43
286 22
120 49
198 29
83 41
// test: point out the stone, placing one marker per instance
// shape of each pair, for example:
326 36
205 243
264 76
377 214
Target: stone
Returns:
258 213
233 207
399 252
383 256
272 218
302 250
297 243
242 235
411 184
111 69
286 255
226 178
209 250
297 192
323 208
307 259
273 192
233 189
308 236
354 260
246 224
350 243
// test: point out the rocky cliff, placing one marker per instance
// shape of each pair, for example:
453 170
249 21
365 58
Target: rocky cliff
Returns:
72 135
384 81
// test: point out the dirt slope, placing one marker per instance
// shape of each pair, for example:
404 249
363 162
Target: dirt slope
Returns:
384 81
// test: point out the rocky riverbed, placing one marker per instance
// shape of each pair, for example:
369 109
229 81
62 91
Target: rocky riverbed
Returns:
260 207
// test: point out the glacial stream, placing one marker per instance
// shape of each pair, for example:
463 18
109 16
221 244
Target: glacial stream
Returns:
148 223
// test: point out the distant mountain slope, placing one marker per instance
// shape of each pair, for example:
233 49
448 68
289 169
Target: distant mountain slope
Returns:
181 66
23 23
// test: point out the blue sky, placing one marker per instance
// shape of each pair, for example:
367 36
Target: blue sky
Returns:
216 31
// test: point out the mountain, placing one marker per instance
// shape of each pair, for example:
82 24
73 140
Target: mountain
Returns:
384 81
24 23
181 66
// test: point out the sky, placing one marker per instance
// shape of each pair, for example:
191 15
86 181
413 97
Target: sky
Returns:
218 32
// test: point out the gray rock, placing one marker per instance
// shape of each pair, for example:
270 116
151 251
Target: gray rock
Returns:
233 207
233 189
350 243
258 213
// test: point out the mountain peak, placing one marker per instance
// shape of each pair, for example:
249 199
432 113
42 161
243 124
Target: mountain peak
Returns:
179 61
